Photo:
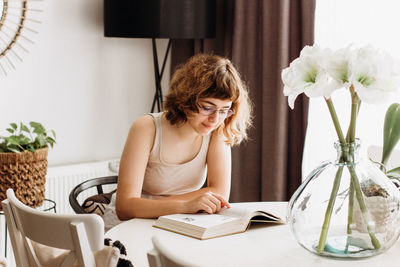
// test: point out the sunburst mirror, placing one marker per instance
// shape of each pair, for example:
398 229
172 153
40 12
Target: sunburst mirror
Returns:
18 21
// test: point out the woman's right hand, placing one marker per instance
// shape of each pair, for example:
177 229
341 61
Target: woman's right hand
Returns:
208 202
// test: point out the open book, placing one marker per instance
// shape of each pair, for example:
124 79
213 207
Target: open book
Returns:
204 226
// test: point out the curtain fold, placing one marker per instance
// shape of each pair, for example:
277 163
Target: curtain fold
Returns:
261 38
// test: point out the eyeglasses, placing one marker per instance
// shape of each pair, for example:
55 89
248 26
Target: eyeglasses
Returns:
210 110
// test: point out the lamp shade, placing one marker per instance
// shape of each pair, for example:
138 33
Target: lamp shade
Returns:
174 19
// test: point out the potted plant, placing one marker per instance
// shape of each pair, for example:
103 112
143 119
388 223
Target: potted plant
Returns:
23 161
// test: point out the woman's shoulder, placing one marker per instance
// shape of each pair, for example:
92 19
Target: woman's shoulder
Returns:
144 123
218 135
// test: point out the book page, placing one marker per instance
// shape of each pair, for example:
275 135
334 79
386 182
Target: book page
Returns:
236 212
246 213
201 219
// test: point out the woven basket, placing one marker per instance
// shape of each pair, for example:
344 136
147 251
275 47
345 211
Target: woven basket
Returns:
25 173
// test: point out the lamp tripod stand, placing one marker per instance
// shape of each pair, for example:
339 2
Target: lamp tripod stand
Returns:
158 98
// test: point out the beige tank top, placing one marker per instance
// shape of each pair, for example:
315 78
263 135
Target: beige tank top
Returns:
163 179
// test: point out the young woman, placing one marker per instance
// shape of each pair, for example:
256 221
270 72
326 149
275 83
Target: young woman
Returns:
168 155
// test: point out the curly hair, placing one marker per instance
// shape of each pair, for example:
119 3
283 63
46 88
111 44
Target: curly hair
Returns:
209 76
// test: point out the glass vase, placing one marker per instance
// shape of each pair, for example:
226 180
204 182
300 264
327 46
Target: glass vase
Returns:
346 208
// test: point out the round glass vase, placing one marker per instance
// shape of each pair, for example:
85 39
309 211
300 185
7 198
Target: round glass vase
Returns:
346 208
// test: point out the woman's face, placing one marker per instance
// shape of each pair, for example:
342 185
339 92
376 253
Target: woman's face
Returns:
212 113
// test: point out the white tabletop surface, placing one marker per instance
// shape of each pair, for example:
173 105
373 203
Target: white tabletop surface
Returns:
261 245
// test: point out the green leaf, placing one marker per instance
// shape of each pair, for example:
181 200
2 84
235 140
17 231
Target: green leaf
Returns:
54 134
14 126
40 140
50 141
31 148
391 131
10 130
23 140
37 127
24 128
394 171
13 149
12 140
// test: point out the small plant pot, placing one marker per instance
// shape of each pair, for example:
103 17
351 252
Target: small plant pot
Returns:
383 213
25 173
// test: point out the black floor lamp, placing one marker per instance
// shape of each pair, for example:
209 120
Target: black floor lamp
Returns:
172 19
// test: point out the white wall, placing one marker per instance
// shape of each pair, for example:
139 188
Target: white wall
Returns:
86 87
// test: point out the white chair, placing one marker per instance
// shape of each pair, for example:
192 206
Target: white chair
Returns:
79 235
163 256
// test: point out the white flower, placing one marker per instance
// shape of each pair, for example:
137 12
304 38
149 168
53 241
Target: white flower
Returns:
337 65
374 75
306 75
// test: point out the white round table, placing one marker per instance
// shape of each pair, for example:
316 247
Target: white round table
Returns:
261 245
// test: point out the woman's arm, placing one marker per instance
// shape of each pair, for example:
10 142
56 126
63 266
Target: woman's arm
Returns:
133 164
219 165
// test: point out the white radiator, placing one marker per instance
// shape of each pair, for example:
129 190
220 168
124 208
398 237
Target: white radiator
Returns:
60 180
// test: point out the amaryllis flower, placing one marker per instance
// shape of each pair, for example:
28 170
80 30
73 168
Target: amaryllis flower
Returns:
337 65
374 75
306 75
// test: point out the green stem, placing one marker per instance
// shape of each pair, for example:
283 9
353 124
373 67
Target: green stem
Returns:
335 120
351 132
329 209
336 183
355 107
363 207
351 207
354 184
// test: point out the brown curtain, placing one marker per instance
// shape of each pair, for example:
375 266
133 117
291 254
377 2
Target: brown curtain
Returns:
261 38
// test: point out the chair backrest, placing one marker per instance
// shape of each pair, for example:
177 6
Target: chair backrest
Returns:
80 234
96 182
163 256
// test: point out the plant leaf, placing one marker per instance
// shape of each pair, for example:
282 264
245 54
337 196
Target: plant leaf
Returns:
23 140
50 141
31 148
15 150
395 170
40 140
391 131
14 126
24 128
10 130
37 127
12 140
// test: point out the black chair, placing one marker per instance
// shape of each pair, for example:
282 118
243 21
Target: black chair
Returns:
98 183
